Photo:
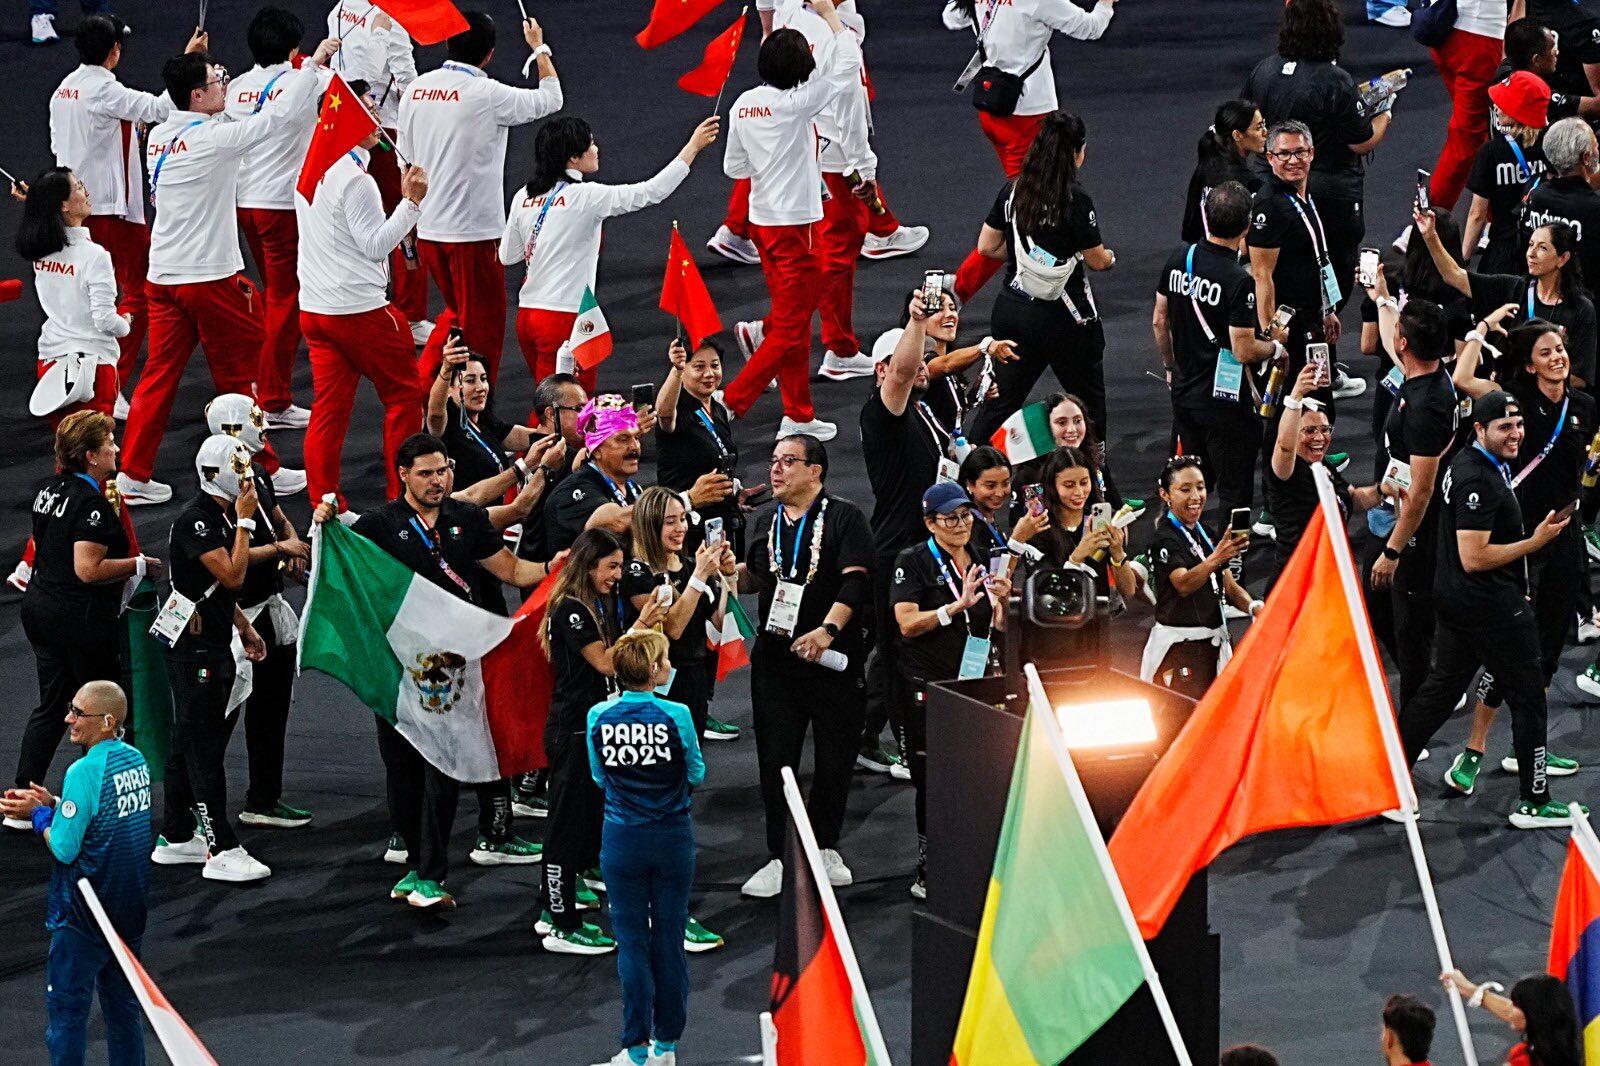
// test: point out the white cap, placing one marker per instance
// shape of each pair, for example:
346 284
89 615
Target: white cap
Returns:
234 414
222 464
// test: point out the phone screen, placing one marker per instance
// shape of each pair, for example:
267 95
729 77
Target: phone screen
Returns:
1368 268
714 532
1423 177
1033 496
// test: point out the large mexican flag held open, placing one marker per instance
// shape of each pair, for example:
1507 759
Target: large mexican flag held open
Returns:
453 678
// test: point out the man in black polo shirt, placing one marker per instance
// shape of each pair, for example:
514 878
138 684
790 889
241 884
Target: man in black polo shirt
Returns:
808 563
1532 46
906 449
1577 30
209 549
445 541
1205 329
1571 155
1481 595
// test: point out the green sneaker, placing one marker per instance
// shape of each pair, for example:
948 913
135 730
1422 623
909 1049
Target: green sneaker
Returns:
697 938
1550 815
587 900
1554 765
878 759
1463 773
594 880
1263 526
1589 681
431 894
513 851
587 939
1135 507
281 816
717 729
404 887
899 769
1337 461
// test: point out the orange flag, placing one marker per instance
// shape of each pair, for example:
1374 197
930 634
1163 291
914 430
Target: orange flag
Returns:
1297 731
668 18
712 74
684 294
343 123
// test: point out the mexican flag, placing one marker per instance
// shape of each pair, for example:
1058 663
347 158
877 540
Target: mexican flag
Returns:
451 677
729 641
591 337
1058 951
1026 434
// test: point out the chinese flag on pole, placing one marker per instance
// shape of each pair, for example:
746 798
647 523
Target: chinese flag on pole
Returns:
671 17
684 294
712 74
427 21
342 124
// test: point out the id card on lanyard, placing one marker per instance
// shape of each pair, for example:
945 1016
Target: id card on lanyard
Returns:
1319 244
948 469
785 613
1227 381
975 653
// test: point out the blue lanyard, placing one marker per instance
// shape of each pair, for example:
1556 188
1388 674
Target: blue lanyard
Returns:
1531 286
600 614
1555 435
1524 171
1189 537
483 442
266 92
1317 246
92 482
793 569
705 420
994 530
161 160
358 161
620 496
435 545
1505 471
1194 301
538 223
946 569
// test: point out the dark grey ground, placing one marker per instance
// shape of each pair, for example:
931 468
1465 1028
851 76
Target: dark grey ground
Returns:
315 965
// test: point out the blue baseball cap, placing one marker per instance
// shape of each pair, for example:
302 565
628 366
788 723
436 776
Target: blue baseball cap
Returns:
943 498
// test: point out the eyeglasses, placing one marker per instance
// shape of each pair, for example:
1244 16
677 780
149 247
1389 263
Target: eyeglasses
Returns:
74 711
1291 153
788 461
954 519
1316 431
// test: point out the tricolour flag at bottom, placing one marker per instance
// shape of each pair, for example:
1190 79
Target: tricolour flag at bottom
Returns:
821 1015
1575 932
729 640
591 337
1058 951
451 677
183 1048
1026 434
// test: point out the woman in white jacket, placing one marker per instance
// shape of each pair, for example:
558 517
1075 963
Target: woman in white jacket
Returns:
77 288
554 225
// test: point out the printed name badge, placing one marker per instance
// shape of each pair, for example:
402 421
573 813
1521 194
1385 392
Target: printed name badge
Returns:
1396 476
1039 255
1228 378
1393 380
785 613
974 658
1330 285
949 470
173 618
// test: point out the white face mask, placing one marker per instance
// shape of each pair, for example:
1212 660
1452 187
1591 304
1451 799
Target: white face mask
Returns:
222 465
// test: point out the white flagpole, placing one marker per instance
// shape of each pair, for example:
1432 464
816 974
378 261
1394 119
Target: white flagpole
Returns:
1391 743
311 585
1039 704
524 9
1588 844
769 1040
830 907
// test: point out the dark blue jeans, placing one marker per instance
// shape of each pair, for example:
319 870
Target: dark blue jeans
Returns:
648 872
78 963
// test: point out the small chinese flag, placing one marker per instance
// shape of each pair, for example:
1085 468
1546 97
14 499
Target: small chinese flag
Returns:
671 17
712 74
342 124
684 294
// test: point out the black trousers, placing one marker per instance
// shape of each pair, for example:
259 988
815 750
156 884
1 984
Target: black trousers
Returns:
1047 337
196 780
1345 223
691 686
266 718
1227 442
1555 574
1188 668
1413 648
785 706
915 717
883 671
70 649
572 832
422 803
1509 649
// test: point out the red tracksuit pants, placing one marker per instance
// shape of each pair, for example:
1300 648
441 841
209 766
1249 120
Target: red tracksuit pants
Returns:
375 345
1467 62
129 245
738 217
473 283
408 276
274 239
793 271
541 333
1011 136
224 318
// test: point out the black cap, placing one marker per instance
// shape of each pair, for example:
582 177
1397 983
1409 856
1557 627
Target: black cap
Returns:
1492 406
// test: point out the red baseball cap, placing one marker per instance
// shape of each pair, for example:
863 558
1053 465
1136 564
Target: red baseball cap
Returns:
1524 98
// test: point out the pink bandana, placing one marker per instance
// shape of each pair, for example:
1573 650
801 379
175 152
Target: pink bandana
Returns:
603 418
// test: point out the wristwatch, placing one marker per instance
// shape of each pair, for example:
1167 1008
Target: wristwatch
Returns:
831 629
1390 554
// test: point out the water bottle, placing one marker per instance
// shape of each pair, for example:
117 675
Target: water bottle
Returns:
1271 394
1376 94
834 660
1591 463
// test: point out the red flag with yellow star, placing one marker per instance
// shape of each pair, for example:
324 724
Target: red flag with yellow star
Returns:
684 294
342 124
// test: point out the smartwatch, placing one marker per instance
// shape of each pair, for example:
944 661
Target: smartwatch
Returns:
1390 554
831 629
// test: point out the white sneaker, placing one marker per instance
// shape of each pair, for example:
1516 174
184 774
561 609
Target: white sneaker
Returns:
19 578
845 367
19 823
748 335
395 850
622 1058
730 245
765 882
900 771
662 1058
420 332
1587 684
119 410
1344 385
902 241
44 29
816 428
839 874
192 850
235 865
287 482
1398 17
291 417
919 890
138 493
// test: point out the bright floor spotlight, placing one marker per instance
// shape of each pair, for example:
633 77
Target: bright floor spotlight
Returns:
1107 723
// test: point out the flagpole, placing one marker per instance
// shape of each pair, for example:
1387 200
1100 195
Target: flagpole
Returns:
522 8
877 1051
313 568
677 323
1039 704
1381 706
717 107
383 134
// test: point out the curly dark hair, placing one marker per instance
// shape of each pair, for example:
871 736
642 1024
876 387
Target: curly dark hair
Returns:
1312 30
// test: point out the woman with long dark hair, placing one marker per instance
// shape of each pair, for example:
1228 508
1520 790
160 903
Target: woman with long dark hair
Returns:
1044 228
1236 133
1539 1008
1070 427
77 290
986 476
554 226
461 413
950 396
697 451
